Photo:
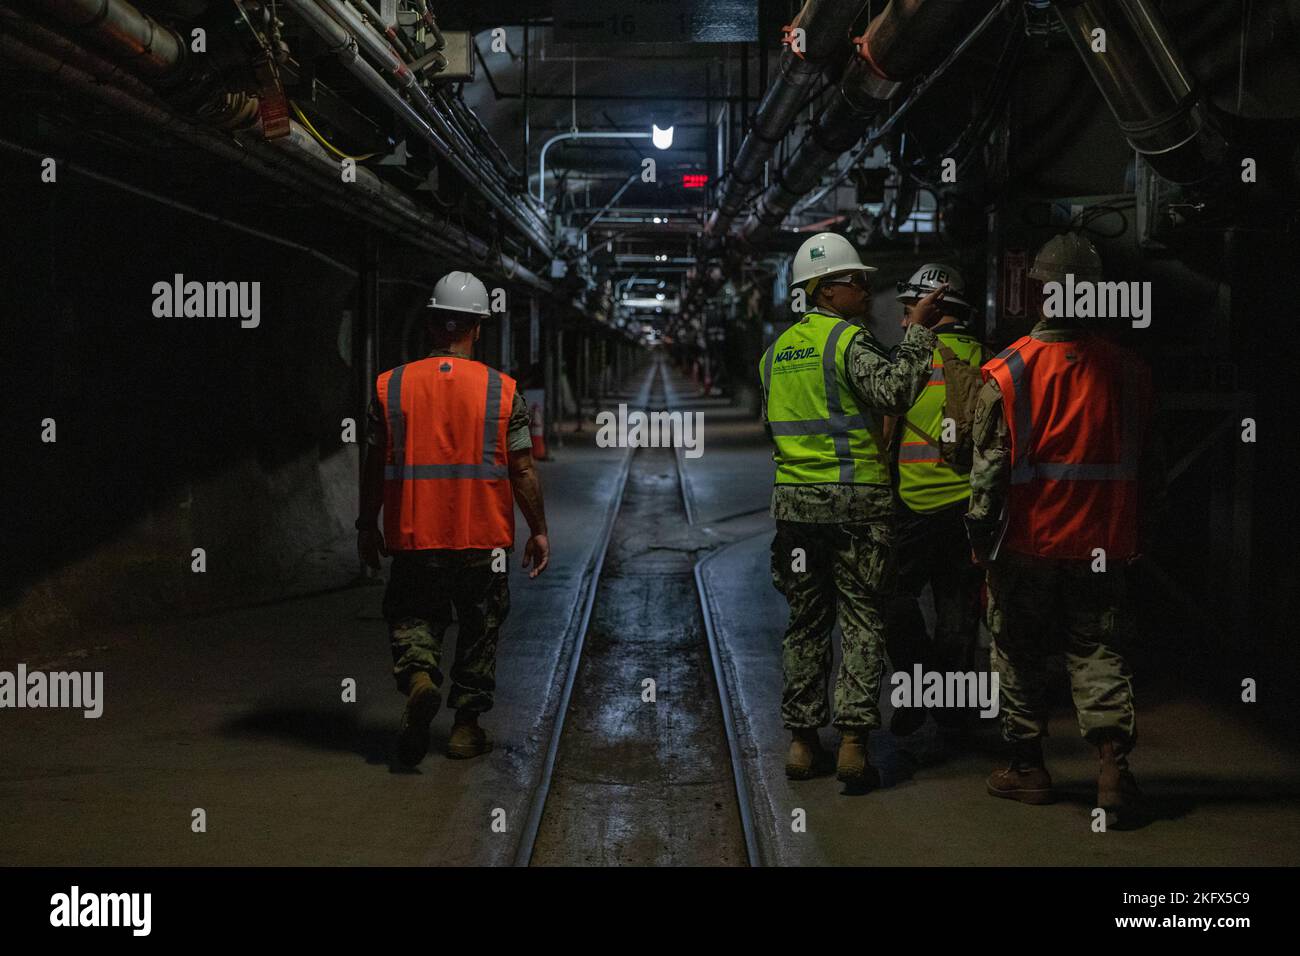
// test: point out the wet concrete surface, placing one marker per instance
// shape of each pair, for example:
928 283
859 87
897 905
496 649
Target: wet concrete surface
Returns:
1221 792
642 781
241 714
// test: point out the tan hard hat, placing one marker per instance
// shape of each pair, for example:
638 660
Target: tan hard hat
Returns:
1067 253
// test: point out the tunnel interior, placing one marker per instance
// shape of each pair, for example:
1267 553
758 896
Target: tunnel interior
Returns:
315 198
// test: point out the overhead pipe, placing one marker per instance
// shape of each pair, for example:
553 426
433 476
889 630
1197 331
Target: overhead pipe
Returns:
451 143
123 32
54 43
343 30
313 176
381 51
826 25
1146 85
904 39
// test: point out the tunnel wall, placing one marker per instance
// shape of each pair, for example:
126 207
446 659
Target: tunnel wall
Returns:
171 433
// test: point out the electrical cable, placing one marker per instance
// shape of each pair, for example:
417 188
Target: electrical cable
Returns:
302 118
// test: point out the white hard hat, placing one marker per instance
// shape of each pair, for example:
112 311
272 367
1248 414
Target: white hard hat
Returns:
460 292
824 254
928 278
1066 253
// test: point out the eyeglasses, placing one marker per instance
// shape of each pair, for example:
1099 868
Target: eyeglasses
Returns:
858 279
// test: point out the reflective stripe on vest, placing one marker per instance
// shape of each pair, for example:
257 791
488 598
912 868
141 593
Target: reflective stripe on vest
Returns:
821 435
926 482
1077 412
440 489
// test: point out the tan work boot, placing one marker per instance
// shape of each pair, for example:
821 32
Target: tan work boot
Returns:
806 757
851 764
1117 789
468 739
1026 778
422 702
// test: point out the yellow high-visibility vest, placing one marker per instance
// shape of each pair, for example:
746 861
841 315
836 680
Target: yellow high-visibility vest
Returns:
925 481
822 436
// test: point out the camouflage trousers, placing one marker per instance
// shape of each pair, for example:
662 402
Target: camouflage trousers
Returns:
423 588
1033 603
933 549
830 571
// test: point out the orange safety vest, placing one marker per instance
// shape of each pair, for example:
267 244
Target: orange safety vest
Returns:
446 474
1077 413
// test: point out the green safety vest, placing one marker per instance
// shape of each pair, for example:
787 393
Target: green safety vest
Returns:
925 481
822 436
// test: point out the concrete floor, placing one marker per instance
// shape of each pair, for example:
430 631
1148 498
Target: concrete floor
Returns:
1221 791
240 714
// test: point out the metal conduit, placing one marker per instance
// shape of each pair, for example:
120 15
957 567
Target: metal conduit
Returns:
344 29
1146 85
123 32
902 40
375 202
826 26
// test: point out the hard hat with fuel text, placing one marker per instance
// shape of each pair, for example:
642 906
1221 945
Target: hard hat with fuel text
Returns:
928 278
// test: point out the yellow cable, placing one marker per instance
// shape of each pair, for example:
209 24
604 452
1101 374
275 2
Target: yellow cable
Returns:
321 139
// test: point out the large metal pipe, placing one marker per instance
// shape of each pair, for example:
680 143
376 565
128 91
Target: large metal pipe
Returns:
826 25
313 176
1154 98
119 29
902 40
57 44
343 27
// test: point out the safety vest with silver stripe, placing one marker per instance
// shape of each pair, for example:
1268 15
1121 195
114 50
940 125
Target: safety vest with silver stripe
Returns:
447 477
822 435
926 482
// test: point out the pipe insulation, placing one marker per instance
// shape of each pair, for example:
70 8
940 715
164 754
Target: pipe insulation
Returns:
826 25
1149 90
312 176
904 39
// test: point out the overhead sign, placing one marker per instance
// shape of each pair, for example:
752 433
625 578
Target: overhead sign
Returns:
656 21
695 180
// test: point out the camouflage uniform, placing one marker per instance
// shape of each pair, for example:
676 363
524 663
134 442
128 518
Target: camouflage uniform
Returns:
1029 596
846 533
424 587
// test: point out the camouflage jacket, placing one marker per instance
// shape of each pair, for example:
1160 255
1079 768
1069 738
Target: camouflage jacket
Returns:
882 385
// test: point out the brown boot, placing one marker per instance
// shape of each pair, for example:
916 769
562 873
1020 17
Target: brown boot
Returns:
1117 789
851 764
1025 779
468 739
422 702
806 757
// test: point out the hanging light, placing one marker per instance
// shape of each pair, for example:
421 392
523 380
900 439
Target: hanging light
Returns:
662 138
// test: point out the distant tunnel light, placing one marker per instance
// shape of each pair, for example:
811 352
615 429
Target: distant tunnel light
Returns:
662 138
695 180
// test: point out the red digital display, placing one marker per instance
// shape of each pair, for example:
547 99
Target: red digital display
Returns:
695 180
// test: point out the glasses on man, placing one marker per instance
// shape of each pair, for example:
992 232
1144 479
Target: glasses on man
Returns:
858 279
